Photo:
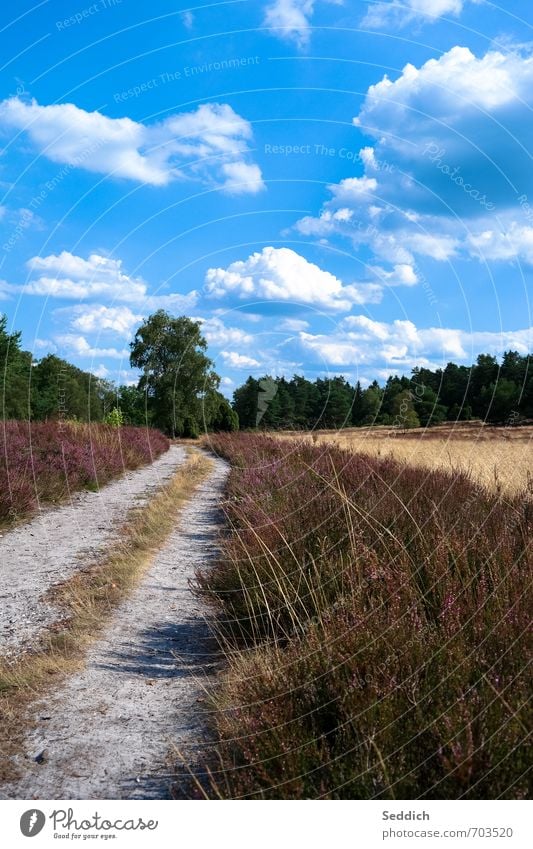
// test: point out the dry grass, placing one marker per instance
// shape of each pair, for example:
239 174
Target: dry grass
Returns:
499 459
87 599
376 617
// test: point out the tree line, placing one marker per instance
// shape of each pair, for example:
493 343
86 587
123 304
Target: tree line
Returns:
500 393
178 390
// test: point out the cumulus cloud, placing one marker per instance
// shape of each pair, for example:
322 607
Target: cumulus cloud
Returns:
80 347
101 371
449 160
292 18
68 276
458 125
217 333
281 274
393 13
293 325
210 144
235 360
514 242
400 345
401 275
98 318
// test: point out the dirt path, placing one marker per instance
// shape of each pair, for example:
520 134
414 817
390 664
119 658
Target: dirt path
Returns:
48 549
107 731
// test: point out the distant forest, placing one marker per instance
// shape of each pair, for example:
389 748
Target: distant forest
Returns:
497 393
52 388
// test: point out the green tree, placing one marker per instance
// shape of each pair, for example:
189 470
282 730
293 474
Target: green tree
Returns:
504 397
222 417
426 405
60 390
132 404
484 374
245 402
371 403
114 417
403 411
15 375
358 405
177 374
454 391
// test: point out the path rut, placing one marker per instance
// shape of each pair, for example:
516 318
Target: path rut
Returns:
107 731
49 549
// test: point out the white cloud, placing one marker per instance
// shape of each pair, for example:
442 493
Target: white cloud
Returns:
515 242
451 142
101 371
187 19
44 345
390 13
98 318
235 360
451 84
292 18
294 325
79 346
401 275
216 333
280 274
68 276
395 235
210 144
459 125
242 178
361 341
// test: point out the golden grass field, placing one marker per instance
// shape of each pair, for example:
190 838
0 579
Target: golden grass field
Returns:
500 459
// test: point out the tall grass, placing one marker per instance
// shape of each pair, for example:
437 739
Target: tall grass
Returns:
374 616
495 458
45 461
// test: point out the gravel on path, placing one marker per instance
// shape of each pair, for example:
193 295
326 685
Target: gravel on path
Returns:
106 733
55 544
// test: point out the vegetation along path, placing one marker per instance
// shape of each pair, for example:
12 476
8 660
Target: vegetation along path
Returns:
52 547
108 730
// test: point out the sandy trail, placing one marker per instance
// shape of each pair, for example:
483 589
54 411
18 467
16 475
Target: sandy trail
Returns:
108 730
51 547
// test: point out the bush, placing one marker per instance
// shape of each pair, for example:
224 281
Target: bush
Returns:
373 614
114 418
45 461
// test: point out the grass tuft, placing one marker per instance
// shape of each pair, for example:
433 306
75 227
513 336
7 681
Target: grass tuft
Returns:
44 462
375 618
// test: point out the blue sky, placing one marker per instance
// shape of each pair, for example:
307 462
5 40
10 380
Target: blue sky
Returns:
330 187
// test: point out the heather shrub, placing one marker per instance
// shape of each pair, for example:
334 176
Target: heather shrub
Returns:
45 461
374 615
